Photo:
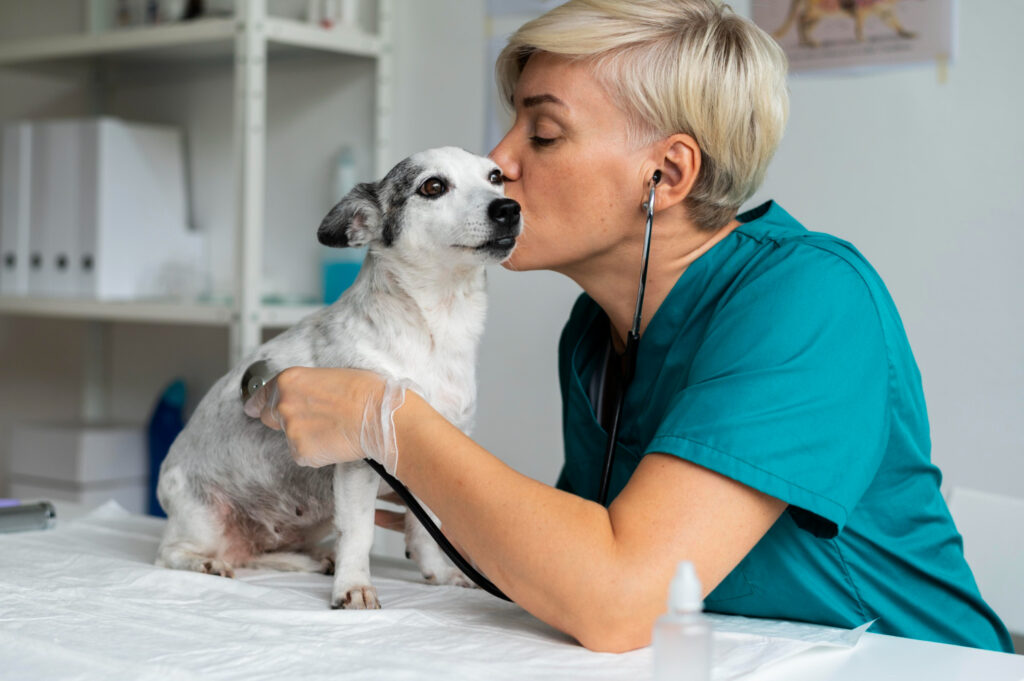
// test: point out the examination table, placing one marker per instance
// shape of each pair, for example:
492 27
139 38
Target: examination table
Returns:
84 601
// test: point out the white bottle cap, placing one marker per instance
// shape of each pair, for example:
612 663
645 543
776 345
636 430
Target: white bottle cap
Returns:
684 595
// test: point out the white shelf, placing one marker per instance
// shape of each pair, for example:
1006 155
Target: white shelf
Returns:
112 311
186 40
153 311
341 39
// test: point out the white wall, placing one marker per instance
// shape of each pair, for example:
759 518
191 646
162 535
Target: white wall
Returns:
927 180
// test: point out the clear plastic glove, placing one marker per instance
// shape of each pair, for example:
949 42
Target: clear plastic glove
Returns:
332 416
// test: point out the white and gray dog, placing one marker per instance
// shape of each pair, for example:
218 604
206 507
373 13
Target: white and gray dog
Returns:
233 495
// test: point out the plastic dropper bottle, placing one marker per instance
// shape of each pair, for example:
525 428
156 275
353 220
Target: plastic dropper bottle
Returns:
682 636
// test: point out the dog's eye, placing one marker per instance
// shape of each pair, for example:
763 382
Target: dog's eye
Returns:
495 177
432 188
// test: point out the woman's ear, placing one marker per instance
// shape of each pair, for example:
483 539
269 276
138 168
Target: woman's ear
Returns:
679 165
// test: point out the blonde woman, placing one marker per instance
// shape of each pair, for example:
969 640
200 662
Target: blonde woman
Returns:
775 432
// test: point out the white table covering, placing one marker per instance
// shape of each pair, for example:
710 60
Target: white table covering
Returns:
84 601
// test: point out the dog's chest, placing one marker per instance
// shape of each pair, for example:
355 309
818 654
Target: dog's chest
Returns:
431 341
447 376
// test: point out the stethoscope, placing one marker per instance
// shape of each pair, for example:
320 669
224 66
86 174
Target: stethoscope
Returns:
260 373
632 343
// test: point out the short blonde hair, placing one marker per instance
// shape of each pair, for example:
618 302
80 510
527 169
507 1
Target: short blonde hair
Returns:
675 66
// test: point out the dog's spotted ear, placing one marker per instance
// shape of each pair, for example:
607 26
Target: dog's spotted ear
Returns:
355 221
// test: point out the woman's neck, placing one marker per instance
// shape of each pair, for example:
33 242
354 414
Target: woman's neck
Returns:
612 278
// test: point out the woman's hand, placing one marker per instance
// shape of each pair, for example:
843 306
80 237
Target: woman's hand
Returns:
390 520
332 415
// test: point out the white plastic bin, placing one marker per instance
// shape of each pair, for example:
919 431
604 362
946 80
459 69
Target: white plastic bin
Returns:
83 463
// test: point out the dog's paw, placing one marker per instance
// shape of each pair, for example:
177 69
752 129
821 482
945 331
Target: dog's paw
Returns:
325 557
453 577
360 597
212 566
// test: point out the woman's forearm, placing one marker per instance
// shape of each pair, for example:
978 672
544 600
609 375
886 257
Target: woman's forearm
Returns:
551 552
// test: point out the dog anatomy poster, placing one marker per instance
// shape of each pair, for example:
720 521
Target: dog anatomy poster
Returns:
851 34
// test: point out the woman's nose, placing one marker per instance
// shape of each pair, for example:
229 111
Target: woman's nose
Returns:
505 158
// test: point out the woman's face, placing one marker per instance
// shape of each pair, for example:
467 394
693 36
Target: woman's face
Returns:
568 164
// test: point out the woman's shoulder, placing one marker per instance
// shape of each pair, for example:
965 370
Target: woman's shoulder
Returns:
784 244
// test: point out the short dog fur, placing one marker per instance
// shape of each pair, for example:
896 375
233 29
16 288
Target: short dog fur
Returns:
233 495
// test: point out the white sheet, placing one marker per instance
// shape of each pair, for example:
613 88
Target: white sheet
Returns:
84 601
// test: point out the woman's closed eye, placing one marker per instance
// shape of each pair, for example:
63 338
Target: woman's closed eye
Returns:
539 141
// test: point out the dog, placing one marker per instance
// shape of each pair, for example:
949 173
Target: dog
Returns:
807 14
232 493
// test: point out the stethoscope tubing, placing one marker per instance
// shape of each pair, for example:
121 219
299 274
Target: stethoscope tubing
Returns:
632 343
435 532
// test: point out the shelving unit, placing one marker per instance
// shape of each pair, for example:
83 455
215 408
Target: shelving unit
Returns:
176 41
165 312
249 39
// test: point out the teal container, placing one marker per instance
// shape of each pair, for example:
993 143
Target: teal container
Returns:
166 421
338 276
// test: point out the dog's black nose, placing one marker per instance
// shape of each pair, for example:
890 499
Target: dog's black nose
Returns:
505 212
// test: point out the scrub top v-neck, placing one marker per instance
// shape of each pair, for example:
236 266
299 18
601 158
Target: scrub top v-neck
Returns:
779 360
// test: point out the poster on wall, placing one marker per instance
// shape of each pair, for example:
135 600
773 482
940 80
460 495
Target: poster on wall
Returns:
857 34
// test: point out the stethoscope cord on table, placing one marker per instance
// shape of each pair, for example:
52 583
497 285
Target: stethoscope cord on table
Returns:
256 376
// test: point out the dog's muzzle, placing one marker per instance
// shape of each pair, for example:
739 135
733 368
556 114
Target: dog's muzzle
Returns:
504 214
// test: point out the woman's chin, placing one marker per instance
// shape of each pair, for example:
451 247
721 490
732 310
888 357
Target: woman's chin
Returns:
526 257
515 262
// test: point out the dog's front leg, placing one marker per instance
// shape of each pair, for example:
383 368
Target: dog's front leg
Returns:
433 563
355 494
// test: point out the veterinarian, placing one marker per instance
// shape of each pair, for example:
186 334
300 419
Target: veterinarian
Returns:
775 432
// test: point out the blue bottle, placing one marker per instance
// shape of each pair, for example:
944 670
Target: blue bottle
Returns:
164 425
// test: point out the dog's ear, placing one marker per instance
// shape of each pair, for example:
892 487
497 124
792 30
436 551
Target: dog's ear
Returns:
355 221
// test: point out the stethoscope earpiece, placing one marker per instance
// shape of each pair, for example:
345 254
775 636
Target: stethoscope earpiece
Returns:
648 205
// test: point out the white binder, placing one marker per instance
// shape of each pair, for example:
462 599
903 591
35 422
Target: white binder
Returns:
108 212
137 238
15 205
60 175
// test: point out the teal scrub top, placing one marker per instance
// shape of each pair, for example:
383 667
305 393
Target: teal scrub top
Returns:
778 359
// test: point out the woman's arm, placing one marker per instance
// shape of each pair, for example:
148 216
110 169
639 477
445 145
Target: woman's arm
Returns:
600 575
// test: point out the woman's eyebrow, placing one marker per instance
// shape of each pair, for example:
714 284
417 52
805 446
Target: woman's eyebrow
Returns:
541 99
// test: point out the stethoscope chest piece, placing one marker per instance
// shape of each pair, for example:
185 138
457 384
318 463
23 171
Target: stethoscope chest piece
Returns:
254 378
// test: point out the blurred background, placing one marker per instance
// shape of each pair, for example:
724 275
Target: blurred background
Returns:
920 166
